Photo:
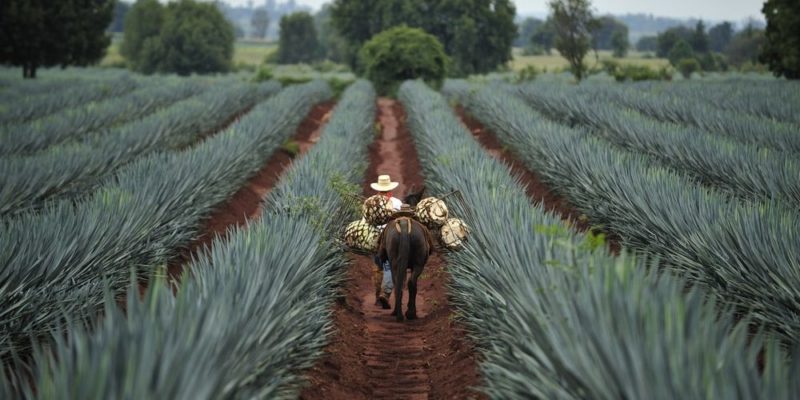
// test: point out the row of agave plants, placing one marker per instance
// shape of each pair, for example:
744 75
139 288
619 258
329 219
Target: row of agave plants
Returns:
555 316
745 252
768 98
250 315
57 264
734 124
74 170
21 108
74 123
744 170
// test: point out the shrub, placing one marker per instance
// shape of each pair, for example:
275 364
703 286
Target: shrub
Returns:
263 74
687 66
634 72
403 53
527 74
681 50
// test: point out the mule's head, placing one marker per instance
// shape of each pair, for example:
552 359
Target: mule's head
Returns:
413 196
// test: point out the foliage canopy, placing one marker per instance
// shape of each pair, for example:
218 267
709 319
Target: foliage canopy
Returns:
403 53
298 39
184 37
573 22
476 34
781 51
39 33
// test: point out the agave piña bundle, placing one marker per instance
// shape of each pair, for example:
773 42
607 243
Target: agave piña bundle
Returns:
377 210
453 233
360 235
431 212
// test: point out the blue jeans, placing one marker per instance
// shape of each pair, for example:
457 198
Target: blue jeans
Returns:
387 284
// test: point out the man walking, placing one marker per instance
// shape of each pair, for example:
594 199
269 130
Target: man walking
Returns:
382 277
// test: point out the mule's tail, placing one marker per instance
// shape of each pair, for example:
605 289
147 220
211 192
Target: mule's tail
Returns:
404 246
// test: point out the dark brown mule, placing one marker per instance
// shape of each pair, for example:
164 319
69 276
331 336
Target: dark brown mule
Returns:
406 244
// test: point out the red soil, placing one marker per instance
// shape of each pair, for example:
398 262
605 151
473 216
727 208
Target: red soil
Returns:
245 204
535 188
373 356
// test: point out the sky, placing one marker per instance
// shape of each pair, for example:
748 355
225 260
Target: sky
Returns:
715 10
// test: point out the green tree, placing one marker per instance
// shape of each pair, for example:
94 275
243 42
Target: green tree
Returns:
544 36
195 38
620 44
260 22
670 37
403 53
699 38
572 20
526 29
647 43
603 33
142 22
682 50
745 47
120 11
43 33
477 34
719 36
781 50
190 37
332 46
298 39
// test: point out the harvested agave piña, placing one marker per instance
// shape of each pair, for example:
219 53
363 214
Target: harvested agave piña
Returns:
431 212
377 210
453 233
361 235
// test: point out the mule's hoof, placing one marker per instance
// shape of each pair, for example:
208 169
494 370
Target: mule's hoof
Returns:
384 303
411 315
399 317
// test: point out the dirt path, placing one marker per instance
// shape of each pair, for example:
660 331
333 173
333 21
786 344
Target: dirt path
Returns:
371 355
245 204
536 190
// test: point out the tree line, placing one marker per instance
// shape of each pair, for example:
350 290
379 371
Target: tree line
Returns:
574 31
188 36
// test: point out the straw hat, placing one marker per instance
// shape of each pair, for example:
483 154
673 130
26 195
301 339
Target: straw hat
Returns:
384 184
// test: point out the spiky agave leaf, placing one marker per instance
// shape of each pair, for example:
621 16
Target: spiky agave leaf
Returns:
52 261
28 109
250 315
555 318
27 183
745 252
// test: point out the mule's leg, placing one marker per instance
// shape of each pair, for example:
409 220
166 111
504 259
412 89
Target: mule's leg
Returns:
399 275
411 313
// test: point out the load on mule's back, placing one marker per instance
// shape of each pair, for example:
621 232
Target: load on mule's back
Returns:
399 236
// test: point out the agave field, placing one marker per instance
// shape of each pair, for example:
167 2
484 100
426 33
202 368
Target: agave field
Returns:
107 178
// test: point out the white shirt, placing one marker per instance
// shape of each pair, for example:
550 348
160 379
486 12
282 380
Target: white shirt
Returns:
396 204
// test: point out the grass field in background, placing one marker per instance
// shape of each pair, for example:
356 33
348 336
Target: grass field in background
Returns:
253 52
245 52
555 62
